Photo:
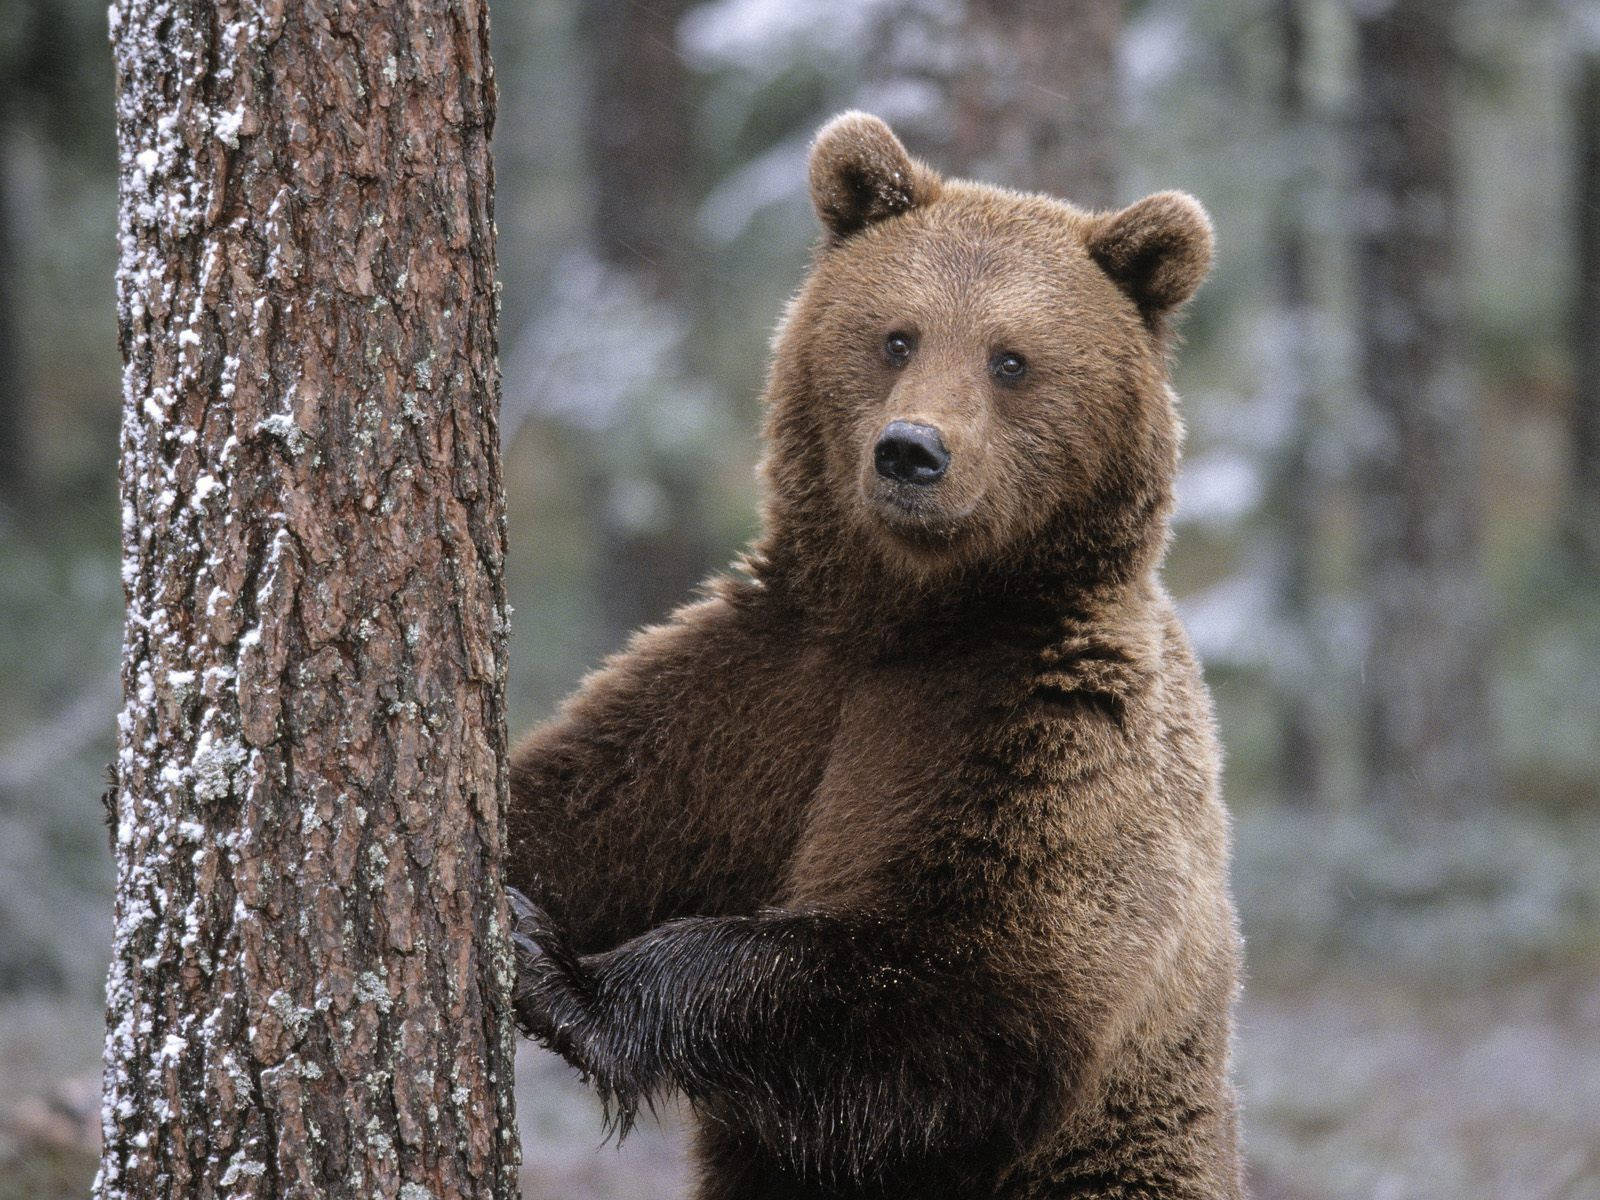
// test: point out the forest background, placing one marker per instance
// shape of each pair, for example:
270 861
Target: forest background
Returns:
1388 534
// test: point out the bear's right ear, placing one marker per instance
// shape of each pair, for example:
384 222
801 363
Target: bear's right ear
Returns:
860 173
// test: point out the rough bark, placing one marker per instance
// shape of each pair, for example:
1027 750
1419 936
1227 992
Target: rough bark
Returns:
1428 744
1036 104
1583 492
1299 492
310 972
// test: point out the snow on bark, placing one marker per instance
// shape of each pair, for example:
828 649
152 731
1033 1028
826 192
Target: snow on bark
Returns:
307 989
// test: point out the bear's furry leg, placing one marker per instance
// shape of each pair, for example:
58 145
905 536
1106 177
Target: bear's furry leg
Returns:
831 1040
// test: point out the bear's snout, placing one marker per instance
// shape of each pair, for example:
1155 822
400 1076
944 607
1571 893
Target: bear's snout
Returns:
910 453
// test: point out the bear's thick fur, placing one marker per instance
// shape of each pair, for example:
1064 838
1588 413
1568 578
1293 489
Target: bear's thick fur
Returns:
901 853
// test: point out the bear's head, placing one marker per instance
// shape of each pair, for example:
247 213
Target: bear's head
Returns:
971 384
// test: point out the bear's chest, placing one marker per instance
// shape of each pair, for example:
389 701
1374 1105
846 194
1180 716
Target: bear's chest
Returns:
900 799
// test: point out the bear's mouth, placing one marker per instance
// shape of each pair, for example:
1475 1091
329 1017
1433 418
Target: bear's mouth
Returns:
918 514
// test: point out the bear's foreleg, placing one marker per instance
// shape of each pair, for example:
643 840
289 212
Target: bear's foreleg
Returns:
841 1045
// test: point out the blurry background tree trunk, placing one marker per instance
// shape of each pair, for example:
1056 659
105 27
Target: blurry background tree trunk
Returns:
1583 491
1036 103
52 101
309 980
15 414
652 549
1298 491
638 137
1023 93
1429 748
17 69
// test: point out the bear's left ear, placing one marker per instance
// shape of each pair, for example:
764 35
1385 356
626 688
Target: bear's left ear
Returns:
860 174
1157 250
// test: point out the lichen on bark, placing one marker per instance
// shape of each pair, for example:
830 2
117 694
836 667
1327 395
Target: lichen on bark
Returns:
309 974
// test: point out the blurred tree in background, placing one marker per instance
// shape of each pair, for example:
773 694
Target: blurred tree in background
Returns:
1428 743
1583 494
647 494
1384 545
1037 97
1295 483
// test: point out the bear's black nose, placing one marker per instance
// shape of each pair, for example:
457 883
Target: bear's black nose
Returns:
908 453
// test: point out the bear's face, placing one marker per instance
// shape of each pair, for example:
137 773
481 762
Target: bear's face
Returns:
965 363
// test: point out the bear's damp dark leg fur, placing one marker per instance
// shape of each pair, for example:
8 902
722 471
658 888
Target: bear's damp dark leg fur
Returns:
844 1051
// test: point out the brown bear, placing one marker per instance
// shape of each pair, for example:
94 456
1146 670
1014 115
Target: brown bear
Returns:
900 853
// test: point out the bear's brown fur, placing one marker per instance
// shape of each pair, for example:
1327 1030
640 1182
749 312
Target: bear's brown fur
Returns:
901 853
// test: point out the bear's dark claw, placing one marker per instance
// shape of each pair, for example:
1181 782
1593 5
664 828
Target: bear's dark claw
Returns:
535 936
521 907
551 979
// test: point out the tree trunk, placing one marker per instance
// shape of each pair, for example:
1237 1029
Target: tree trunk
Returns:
16 475
1036 106
1429 744
1025 91
638 137
638 152
308 995
1583 494
1299 492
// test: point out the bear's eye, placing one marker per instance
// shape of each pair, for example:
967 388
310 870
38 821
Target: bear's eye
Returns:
1008 366
897 348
